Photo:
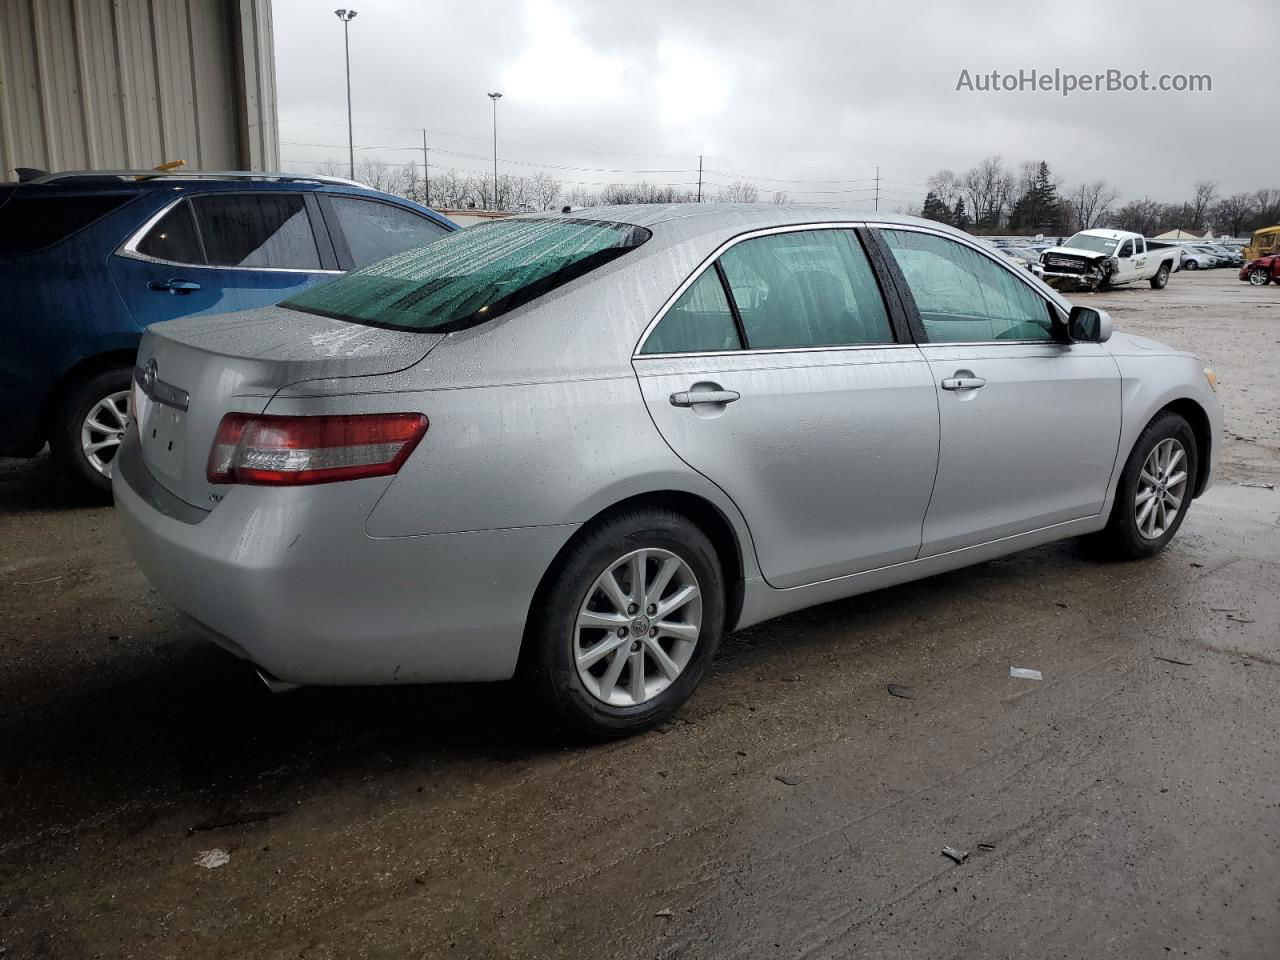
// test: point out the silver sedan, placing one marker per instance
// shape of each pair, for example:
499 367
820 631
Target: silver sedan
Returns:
579 449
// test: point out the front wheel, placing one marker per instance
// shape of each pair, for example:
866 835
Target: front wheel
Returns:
88 428
1155 489
1161 278
1259 277
1191 265
624 631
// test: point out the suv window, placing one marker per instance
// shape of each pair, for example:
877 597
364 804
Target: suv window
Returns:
375 230
700 321
31 223
265 230
964 296
471 276
807 288
174 237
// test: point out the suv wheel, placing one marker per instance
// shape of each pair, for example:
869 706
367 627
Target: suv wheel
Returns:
89 426
625 631
1155 489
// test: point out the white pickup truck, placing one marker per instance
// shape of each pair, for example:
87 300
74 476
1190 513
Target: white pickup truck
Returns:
1098 259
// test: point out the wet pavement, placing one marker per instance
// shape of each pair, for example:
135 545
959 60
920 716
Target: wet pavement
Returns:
1127 805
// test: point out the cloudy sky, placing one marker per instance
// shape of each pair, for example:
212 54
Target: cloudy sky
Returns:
805 96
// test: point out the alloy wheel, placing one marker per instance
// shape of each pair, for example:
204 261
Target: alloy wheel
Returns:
1258 278
1161 486
103 429
637 628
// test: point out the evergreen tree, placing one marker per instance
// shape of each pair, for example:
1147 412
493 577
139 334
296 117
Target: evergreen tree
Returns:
935 209
960 216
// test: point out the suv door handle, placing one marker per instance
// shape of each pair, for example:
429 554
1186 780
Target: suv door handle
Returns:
964 383
174 285
687 398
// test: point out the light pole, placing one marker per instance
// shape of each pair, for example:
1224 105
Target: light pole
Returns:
346 16
495 97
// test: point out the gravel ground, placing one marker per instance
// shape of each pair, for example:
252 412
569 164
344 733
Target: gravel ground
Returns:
1128 805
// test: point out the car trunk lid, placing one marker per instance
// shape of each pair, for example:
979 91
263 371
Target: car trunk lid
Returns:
195 370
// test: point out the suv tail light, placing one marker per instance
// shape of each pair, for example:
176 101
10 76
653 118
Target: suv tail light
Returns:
287 451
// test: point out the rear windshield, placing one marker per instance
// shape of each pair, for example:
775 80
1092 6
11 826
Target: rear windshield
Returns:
1097 244
471 276
30 223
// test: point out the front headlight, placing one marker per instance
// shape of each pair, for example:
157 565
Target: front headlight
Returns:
1212 379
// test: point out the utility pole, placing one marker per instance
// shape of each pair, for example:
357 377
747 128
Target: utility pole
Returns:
495 97
426 171
877 187
346 16
699 178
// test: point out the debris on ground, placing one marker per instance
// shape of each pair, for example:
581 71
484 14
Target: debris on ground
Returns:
212 859
1194 564
986 846
1260 486
1233 618
790 779
665 914
1225 609
901 690
1181 663
235 820
959 856
1024 673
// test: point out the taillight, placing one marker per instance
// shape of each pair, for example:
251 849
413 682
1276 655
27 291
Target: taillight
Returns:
285 451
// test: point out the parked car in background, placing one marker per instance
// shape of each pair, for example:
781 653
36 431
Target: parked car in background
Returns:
1008 250
581 448
1098 259
1262 271
1216 258
87 260
1193 258
1263 243
1229 255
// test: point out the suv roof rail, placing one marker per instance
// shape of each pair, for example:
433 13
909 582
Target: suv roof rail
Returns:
191 175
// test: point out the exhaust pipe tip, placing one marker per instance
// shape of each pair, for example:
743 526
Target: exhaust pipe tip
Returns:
275 684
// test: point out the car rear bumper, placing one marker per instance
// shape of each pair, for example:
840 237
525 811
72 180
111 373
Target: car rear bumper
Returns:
288 578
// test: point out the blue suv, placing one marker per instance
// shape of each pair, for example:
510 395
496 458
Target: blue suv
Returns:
87 260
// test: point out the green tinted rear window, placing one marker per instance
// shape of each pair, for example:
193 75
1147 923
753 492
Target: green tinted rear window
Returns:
472 275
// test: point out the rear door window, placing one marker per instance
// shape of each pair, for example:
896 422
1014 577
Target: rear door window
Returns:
473 275
806 288
375 230
263 230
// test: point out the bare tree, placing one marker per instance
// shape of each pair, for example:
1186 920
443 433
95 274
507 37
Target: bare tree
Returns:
738 192
1090 202
1206 192
781 196
1230 214
946 186
987 189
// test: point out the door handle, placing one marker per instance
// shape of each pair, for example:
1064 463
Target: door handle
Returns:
174 286
687 398
964 383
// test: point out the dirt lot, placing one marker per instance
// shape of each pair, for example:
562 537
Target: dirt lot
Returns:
1126 806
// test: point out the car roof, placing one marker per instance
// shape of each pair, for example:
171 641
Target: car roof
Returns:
687 220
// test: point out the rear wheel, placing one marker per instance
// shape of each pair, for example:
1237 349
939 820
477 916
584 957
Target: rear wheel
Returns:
1161 278
1259 277
88 428
623 634
1155 489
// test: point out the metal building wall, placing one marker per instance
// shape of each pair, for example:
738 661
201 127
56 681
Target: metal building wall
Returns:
103 84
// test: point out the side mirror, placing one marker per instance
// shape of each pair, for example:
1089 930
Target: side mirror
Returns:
1088 325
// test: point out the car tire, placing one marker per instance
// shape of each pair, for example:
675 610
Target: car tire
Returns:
88 427
1259 277
602 699
1136 530
1190 265
1161 279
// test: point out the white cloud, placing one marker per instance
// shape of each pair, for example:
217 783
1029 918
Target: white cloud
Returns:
557 66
